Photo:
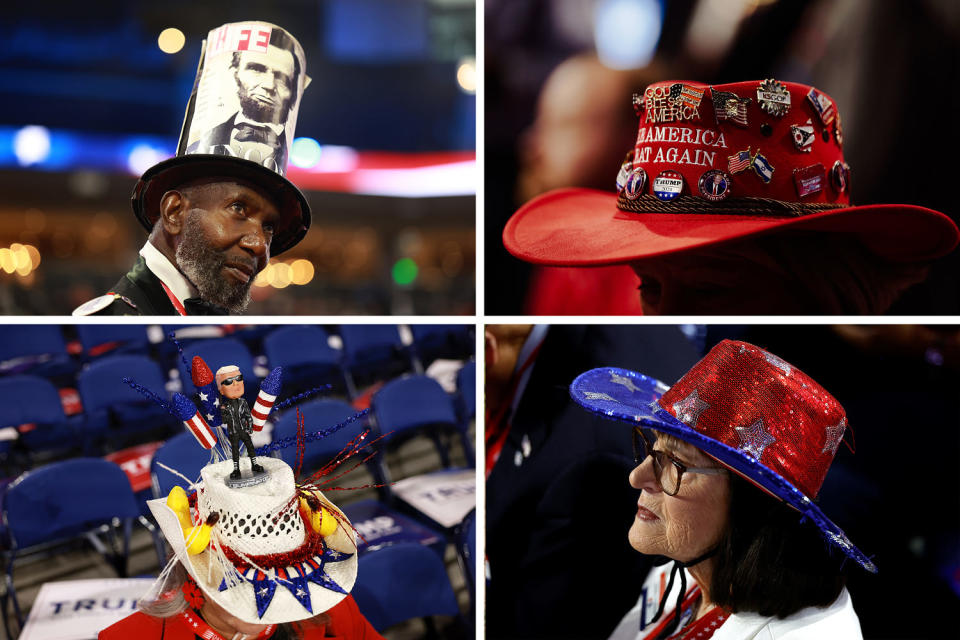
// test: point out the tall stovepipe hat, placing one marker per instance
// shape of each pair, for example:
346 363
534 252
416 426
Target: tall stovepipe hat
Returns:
240 123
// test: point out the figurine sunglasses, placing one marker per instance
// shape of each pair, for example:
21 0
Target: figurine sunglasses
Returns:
229 381
666 469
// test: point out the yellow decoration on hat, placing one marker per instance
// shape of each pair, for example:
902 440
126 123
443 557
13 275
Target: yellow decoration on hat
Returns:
321 520
180 505
198 537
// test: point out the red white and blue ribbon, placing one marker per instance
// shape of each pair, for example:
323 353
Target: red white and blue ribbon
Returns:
186 411
269 390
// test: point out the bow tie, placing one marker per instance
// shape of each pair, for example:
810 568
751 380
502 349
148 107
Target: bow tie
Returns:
198 307
247 132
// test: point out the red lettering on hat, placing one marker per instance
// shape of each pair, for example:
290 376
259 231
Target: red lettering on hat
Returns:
218 40
261 40
243 41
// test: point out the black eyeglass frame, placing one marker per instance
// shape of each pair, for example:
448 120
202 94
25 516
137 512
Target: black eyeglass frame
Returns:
229 381
658 458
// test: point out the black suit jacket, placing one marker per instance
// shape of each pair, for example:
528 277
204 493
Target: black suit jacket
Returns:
560 563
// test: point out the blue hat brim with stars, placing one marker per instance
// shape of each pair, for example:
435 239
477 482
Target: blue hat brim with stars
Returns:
631 397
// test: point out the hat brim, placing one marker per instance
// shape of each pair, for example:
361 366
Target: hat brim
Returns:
239 600
583 227
637 404
162 177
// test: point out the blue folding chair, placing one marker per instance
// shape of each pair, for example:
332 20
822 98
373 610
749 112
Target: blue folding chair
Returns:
418 405
377 523
115 411
66 501
466 397
401 582
220 352
101 339
34 400
307 358
183 454
38 349
465 540
318 415
433 341
373 352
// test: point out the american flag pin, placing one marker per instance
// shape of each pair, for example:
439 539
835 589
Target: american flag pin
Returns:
728 106
739 161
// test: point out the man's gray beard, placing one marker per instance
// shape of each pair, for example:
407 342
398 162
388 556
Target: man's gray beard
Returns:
204 267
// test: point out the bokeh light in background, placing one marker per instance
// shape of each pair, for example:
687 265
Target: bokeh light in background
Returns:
31 145
171 40
627 32
281 274
467 75
19 258
405 271
305 152
143 156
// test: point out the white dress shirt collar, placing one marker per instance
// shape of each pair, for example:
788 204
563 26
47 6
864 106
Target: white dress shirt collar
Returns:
168 273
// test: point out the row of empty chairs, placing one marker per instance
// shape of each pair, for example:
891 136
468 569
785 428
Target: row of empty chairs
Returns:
112 412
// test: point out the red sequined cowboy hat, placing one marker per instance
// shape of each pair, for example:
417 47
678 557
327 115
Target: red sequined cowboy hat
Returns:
754 413
715 164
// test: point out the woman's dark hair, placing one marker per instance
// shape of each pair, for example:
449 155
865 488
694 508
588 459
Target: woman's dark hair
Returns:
768 561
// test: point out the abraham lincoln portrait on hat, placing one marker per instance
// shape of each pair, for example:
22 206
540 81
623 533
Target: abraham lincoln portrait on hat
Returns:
267 89
222 207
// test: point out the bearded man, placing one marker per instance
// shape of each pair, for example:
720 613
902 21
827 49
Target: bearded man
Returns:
216 212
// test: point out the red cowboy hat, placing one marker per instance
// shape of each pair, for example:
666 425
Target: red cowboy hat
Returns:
713 164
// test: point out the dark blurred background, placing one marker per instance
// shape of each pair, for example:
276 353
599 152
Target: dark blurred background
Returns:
94 95
891 66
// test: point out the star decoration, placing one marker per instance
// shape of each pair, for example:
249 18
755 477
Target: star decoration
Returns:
690 408
623 380
593 395
301 592
833 435
209 416
216 402
203 397
778 363
754 439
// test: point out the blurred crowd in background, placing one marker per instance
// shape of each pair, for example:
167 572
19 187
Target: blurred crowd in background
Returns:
559 75
385 149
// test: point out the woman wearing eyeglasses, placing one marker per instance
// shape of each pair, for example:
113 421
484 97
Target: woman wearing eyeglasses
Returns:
729 463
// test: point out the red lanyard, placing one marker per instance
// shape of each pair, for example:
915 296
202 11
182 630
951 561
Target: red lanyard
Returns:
202 629
173 299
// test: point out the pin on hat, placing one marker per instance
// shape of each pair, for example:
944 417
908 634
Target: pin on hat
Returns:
240 123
